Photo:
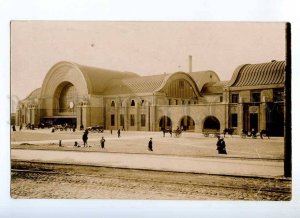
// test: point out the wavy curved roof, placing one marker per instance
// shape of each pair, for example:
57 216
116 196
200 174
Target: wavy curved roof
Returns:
144 84
259 74
98 78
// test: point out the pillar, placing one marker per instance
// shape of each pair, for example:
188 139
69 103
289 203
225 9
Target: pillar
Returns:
240 118
262 115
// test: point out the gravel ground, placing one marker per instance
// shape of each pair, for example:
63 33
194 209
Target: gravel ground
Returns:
73 182
112 183
189 144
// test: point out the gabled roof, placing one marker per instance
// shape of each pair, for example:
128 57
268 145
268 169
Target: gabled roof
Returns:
259 74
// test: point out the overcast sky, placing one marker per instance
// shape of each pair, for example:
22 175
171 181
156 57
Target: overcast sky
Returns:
142 47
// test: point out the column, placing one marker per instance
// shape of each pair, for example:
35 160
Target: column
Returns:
262 115
240 118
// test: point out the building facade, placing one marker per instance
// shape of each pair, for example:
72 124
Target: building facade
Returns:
196 101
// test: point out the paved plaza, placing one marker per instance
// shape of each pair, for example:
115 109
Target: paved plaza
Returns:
192 152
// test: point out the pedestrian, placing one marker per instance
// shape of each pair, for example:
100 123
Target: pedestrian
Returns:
111 131
102 141
85 138
150 145
14 127
76 144
119 133
221 146
20 128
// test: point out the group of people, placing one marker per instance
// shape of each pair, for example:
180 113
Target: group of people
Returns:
118 132
102 141
221 145
85 139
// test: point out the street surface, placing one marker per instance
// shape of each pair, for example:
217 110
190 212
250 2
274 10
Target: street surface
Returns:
187 167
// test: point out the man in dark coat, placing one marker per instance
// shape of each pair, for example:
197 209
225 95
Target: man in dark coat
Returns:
119 133
150 145
221 146
102 141
85 138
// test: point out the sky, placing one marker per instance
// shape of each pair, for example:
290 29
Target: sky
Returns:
145 48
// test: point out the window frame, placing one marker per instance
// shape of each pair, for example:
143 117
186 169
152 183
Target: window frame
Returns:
234 98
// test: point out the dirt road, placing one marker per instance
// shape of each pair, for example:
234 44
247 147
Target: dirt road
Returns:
32 180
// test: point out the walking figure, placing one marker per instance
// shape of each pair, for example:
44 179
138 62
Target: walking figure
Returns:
111 131
150 145
85 138
119 133
102 142
221 146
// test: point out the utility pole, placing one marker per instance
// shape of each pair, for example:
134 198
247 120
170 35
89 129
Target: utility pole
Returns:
287 106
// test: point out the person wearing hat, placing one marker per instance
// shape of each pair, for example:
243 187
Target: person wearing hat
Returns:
150 145
102 142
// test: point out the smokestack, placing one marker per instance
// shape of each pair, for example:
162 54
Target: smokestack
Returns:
190 63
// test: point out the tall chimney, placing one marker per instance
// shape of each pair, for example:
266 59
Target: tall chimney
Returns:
190 63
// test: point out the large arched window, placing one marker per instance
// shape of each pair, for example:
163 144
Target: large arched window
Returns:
67 98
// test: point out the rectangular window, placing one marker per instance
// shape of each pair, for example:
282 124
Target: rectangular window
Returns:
170 101
143 120
255 97
234 98
112 120
131 119
122 120
176 102
234 120
278 95
221 98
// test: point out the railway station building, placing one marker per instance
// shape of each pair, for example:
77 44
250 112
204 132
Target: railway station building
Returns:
195 101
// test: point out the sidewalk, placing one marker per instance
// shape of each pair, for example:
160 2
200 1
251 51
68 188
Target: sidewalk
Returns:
214 166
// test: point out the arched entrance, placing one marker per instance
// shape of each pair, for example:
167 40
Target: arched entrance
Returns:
211 123
66 99
165 123
187 123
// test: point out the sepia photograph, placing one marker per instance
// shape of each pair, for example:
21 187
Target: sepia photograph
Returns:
150 110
